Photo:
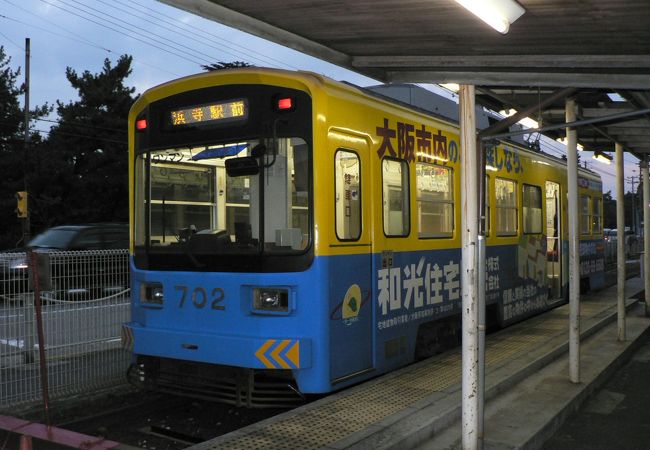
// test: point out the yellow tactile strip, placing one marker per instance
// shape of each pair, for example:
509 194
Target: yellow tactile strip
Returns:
335 420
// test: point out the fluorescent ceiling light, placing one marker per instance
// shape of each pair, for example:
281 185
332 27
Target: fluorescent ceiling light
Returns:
526 121
602 157
615 97
499 14
453 87
564 141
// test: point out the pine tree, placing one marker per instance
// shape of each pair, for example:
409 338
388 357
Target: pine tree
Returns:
86 154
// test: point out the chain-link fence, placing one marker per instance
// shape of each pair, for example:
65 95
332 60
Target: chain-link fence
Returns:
85 299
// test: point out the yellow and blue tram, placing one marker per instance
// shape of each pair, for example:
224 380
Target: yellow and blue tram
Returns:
291 229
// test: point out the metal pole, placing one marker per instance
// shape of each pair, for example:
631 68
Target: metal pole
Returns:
469 275
620 245
26 220
33 261
574 245
481 339
482 253
646 233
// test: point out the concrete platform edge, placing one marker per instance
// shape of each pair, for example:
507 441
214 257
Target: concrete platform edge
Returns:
423 424
536 441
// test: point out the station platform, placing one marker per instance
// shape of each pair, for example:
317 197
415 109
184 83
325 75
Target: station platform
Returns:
528 392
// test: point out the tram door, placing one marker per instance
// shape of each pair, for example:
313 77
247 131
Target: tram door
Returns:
350 272
553 240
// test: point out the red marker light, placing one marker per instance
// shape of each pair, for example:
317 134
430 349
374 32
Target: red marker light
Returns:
285 103
141 124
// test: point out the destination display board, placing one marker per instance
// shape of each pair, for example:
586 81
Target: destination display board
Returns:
210 113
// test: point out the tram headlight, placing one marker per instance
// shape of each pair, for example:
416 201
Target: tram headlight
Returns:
271 300
151 293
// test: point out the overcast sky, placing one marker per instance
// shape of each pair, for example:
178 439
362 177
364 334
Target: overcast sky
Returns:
165 43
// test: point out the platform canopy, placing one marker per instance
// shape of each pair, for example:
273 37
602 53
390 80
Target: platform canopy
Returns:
599 47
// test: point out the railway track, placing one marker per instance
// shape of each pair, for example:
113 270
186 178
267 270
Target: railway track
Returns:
148 420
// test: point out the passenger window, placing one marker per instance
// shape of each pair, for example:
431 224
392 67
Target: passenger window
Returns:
395 182
91 240
116 240
585 217
532 209
506 205
597 216
435 199
347 203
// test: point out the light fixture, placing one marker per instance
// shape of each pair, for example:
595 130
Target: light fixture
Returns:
602 157
526 121
499 14
453 87
563 140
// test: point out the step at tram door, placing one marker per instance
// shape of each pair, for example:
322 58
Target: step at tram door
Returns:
554 254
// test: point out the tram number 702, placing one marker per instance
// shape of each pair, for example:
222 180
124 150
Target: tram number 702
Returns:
200 297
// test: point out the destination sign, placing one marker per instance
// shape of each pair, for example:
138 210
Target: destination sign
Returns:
210 113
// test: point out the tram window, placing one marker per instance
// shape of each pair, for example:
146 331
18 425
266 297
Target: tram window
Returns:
532 209
181 195
596 216
395 182
238 199
347 202
506 205
435 199
585 217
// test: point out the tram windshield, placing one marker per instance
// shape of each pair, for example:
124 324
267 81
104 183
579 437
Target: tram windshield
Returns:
237 198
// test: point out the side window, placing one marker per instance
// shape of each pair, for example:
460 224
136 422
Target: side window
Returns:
506 205
435 200
395 183
597 216
585 218
532 209
116 240
89 240
347 202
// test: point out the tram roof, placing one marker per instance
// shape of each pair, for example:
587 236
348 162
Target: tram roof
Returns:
598 47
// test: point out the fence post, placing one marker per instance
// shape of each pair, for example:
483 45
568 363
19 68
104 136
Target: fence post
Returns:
42 265
29 328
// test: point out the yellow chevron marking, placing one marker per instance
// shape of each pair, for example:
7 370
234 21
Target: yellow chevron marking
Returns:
293 354
275 354
127 338
260 354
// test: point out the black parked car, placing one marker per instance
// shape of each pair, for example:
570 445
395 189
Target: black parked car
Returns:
83 277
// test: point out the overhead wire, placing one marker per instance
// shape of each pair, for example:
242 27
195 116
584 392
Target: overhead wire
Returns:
74 36
8 38
96 138
65 133
125 24
75 123
203 32
152 44
196 34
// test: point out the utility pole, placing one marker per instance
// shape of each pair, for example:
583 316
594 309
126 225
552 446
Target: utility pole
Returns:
633 180
26 220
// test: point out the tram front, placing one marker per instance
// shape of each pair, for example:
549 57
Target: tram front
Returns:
222 234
